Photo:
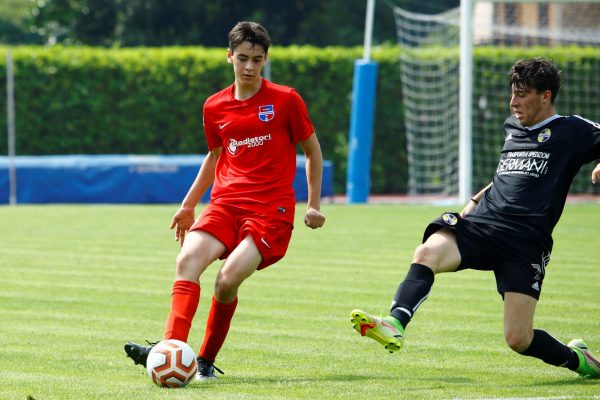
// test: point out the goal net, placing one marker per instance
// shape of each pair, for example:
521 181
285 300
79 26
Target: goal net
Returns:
568 34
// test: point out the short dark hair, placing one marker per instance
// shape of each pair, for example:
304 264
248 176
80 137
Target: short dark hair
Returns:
535 73
252 32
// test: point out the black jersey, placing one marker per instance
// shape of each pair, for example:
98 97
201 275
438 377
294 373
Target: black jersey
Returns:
533 177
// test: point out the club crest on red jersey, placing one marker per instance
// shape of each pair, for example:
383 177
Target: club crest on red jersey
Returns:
266 113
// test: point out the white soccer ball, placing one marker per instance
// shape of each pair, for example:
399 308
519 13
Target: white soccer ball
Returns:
172 363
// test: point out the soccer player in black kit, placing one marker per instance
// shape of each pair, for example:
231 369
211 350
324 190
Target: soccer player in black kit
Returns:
507 226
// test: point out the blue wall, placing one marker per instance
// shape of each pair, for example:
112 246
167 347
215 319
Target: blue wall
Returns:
119 179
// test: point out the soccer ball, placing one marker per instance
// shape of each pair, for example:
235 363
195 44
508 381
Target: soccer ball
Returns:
172 363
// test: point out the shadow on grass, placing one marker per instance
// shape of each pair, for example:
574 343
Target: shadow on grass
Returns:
335 378
575 381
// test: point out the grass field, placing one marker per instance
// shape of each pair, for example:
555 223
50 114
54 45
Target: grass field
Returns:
77 282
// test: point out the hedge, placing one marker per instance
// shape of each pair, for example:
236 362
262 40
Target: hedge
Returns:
81 100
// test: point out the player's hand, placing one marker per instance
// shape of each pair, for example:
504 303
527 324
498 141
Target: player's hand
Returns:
468 208
182 221
313 218
596 174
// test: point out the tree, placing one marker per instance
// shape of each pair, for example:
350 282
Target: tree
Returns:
90 22
15 22
207 22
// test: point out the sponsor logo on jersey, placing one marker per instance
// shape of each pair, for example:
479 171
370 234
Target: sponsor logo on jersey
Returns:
450 219
266 113
530 163
255 141
544 135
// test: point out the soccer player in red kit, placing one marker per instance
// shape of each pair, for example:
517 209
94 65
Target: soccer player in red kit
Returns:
252 128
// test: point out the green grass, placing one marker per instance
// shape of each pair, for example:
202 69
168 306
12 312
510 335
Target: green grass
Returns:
77 282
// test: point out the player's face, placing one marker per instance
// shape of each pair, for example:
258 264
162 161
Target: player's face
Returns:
529 106
247 60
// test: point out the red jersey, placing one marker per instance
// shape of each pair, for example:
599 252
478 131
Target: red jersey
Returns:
257 165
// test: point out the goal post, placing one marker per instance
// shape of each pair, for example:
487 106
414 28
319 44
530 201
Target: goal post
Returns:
463 55
10 122
465 138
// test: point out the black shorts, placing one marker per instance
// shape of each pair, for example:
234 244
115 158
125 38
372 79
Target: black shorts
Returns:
519 263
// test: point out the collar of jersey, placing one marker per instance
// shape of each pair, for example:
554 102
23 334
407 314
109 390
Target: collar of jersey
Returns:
544 122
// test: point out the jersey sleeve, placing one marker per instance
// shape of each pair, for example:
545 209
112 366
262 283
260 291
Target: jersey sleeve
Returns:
592 131
301 127
212 138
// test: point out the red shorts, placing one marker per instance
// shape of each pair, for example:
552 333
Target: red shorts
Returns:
232 224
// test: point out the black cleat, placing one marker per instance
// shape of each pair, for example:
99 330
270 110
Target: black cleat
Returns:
206 370
138 353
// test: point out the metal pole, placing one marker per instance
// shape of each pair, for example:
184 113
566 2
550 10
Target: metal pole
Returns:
360 140
267 70
368 30
10 106
465 146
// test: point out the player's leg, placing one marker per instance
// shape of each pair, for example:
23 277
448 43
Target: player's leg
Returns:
520 336
264 242
198 251
240 264
520 276
438 254
519 310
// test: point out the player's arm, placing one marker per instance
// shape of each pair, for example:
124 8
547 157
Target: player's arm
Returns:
473 201
314 178
596 174
184 217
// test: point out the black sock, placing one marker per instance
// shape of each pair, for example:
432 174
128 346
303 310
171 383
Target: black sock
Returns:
412 292
551 351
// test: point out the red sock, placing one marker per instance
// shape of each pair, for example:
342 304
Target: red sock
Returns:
184 302
217 326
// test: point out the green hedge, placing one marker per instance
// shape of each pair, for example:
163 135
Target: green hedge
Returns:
79 100
73 100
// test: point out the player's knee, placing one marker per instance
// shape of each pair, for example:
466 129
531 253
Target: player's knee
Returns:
226 288
518 341
186 266
226 283
424 255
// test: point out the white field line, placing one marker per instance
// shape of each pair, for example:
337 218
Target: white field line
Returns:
532 398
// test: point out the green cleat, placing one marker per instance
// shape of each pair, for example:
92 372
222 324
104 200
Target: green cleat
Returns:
388 331
589 365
